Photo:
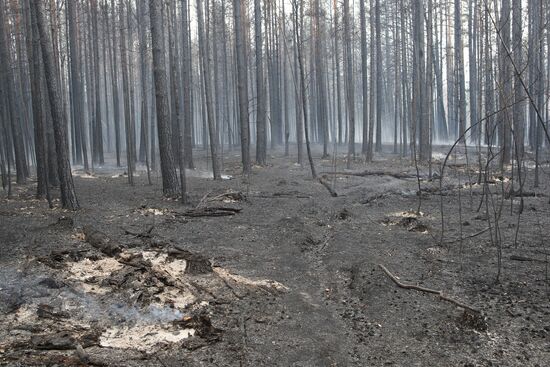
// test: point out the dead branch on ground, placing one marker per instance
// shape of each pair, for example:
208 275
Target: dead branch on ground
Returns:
428 290
282 194
327 186
208 212
524 258
398 175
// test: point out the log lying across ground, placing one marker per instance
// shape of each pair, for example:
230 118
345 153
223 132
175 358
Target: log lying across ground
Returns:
398 175
209 212
428 290
328 187
524 258
101 241
195 263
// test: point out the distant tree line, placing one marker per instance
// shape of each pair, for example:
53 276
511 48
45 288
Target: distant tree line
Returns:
150 81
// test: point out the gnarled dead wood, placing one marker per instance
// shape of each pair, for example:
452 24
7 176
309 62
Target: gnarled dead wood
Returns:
428 290
101 241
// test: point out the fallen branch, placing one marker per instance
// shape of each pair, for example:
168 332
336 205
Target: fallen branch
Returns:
202 200
467 237
282 194
327 186
230 195
524 258
398 175
209 212
428 290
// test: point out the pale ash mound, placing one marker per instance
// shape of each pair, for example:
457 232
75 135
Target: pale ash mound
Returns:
132 300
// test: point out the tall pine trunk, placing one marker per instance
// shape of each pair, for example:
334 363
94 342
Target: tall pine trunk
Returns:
261 135
168 170
242 84
68 194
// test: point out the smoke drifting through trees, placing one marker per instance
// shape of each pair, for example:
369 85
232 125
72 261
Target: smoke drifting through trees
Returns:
85 82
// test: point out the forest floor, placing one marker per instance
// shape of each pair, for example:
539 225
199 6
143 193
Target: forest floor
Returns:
292 277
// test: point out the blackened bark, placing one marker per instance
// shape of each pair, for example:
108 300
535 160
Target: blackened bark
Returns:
68 194
34 58
242 85
261 137
98 129
350 94
8 83
187 86
168 170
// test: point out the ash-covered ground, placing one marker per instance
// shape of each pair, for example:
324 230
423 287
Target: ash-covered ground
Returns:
271 270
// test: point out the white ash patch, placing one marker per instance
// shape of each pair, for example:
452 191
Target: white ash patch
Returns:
260 283
408 214
145 338
153 211
436 251
174 267
87 269
175 297
25 313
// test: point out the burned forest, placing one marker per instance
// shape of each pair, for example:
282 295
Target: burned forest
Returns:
274 183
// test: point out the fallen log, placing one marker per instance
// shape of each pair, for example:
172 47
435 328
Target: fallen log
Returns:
328 187
524 258
101 241
282 194
398 175
429 290
209 212
522 194
230 195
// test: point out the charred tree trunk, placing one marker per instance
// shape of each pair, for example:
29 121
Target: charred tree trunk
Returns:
143 54
34 59
68 195
114 81
98 129
9 93
168 170
364 76
379 86
261 134
242 84
126 96
505 81
187 88
350 94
